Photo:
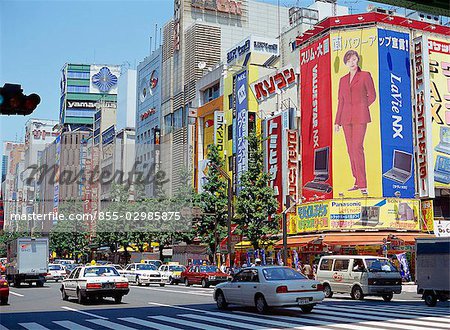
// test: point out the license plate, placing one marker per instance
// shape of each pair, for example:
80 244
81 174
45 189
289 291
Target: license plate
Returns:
108 285
302 301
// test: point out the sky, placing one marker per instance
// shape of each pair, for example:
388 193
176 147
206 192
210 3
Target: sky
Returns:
38 37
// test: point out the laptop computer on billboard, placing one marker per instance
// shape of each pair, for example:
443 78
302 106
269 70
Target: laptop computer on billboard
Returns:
401 167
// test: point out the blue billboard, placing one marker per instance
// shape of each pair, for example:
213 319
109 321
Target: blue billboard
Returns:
242 125
396 114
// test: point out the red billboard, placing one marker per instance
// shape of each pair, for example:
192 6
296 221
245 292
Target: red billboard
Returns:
274 157
316 120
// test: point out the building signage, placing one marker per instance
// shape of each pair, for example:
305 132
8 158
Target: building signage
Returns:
157 139
108 135
90 104
274 157
253 44
219 131
292 163
222 6
271 84
57 172
242 126
422 110
104 79
147 113
427 216
442 228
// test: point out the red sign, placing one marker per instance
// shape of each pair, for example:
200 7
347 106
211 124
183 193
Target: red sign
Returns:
316 121
147 113
292 163
269 85
274 157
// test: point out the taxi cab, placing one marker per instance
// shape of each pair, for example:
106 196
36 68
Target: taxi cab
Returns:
171 272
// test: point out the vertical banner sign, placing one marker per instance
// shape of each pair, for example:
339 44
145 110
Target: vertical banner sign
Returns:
427 216
87 194
396 114
439 57
292 164
242 125
274 156
356 113
422 111
57 172
219 132
315 104
157 140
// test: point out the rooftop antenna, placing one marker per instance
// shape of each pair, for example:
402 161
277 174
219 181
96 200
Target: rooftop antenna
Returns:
156 35
150 45
160 36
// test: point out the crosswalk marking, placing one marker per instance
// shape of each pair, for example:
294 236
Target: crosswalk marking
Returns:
424 308
33 326
219 321
109 324
71 325
148 324
184 322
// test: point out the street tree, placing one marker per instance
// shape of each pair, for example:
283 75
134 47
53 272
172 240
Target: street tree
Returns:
256 203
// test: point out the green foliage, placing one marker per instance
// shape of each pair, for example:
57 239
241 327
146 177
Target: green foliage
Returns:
212 226
256 200
6 237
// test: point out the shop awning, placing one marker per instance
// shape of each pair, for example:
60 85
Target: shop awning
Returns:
353 239
409 238
294 241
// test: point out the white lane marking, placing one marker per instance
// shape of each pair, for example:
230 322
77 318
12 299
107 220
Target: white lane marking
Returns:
178 307
184 322
148 324
396 311
16 294
220 321
85 313
177 291
33 326
110 325
2 327
71 325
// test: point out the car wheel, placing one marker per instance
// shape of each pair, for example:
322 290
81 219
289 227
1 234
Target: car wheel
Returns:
261 305
162 284
430 298
307 308
56 281
205 283
16 283
40 283
64 295
4 300
327 291
357 293
388 297
170 280
118 299
138 281
81 297
186 282
220 301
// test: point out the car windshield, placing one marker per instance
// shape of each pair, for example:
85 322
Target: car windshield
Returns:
281 274
100 271
145 267
176 268
380 265
117 267
54 267
208 269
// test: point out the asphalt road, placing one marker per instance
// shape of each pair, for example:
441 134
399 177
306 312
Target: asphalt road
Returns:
179 307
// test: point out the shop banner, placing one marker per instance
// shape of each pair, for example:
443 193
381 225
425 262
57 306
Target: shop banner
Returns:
442 228
439 57
292 164
219 132
315 105
356 113
404 268
396 115
274 157
427 224
422 113
241 93
312 217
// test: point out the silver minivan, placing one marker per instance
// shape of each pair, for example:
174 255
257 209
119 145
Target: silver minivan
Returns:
359 276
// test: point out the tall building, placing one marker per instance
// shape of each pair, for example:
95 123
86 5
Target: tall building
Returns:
126 100
83 88
4 167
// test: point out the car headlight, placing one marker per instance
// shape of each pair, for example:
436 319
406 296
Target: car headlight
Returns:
211 277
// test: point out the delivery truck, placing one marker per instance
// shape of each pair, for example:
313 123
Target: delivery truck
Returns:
27 261
433 269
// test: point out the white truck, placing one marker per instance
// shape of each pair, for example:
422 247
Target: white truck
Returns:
27 261
433 269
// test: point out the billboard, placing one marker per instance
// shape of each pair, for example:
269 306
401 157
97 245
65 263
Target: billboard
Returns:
273 83
241 93
359 214
439 59
315 105
219 132
103 79
274 156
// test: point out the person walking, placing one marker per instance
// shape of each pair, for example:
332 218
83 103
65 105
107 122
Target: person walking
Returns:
308 271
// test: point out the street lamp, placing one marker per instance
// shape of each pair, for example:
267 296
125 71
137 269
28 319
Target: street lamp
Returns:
284 224
230 193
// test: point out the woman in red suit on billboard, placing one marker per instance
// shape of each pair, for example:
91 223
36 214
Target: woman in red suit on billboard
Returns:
356 94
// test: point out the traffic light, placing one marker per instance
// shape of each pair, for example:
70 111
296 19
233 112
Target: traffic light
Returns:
14 102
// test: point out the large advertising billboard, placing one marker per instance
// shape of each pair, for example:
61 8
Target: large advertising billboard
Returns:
242 125
274 156
439 59
362 213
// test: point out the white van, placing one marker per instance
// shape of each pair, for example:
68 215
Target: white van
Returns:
359 276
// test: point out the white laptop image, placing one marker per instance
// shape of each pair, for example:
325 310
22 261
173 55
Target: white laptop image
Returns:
444 143
401 167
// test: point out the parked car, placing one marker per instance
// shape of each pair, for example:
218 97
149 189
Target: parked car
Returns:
119 268
64 261
56 272
269 286
70 267
94 282
157 263
4 291
141 273
171 273
359 276
204 275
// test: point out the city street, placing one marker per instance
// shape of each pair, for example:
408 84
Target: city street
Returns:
179 307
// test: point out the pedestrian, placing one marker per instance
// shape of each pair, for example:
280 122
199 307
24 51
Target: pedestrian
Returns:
257 262
308 271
